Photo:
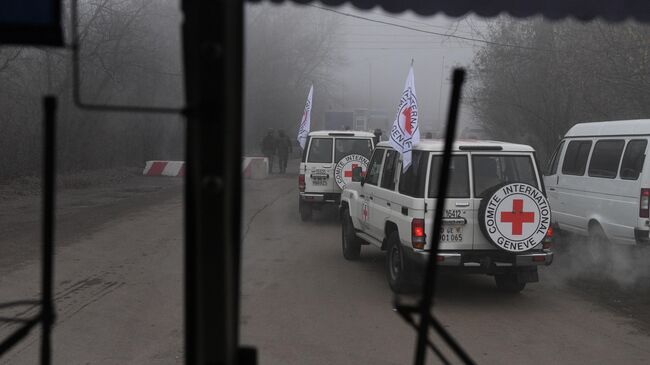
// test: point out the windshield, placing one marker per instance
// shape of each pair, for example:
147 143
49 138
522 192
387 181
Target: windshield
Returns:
330 242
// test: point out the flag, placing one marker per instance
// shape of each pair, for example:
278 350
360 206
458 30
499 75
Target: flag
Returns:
405 132
305 123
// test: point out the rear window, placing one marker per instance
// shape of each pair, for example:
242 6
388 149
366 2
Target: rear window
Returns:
320 150
633 159
605 158
458 184
412 181
491 170
575 158
352 146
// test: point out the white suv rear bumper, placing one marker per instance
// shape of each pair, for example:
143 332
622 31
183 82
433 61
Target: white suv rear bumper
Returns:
487 258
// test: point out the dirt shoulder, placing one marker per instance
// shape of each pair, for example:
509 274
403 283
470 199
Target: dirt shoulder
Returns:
85 201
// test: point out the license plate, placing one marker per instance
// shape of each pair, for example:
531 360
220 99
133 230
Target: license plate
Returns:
319 182
451 234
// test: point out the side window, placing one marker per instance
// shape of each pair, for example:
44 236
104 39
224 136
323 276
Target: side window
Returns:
320 150
605 158
372 176
575 158
633 159
412 182
388 177
552 166
458 184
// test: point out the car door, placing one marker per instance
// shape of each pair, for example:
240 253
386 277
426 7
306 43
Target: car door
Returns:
572 188
383 197
319 168
551 179
460 213
371 215
491 169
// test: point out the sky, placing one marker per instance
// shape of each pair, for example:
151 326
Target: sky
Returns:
377 57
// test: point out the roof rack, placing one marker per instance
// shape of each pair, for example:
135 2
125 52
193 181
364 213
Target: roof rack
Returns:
480 148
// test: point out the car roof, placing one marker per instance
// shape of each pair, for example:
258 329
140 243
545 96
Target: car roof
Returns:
335 133
611 128
437 145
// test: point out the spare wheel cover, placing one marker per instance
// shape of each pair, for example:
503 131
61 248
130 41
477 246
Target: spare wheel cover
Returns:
514 217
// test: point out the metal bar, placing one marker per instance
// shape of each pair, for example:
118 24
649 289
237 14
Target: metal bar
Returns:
428 287
212 41
19 303
47 260
76 80
17 336
406 315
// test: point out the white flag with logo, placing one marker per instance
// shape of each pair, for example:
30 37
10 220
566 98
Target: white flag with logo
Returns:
405 132
305 123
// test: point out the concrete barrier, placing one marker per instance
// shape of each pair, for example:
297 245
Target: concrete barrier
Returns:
164 168
255 167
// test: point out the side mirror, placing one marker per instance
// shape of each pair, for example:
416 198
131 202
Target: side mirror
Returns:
357 174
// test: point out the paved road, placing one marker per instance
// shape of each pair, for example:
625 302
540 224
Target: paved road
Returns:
118 282
119 290
304 304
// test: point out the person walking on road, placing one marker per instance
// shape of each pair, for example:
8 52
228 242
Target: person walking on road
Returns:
269 147
284 149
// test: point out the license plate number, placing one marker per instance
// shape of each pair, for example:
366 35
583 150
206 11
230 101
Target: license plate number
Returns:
319 182
451 234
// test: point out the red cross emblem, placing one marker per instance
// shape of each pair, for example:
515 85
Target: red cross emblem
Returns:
348 173
407 120
517 217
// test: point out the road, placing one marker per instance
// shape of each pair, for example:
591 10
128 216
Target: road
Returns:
119 289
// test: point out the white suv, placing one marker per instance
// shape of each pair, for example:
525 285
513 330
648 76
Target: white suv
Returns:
326 166
496 220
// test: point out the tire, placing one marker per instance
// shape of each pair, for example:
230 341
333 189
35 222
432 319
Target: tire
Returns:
483 207
305 211
398 271
350 244
508 283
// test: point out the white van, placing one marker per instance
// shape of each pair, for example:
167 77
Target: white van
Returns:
598 181
326 167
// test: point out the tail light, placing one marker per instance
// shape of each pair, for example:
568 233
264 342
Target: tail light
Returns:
301 183
548 240
644 203
418 237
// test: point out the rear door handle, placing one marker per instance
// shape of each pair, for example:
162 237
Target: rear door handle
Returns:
462 204
551 189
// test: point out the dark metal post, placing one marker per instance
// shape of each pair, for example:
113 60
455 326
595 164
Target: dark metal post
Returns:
430 274
212 40
49 189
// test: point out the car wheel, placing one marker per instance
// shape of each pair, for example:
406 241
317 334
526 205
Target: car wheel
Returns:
508 283
305 211
397 268
349 241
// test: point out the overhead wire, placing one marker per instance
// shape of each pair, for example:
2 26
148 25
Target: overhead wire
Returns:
471 39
